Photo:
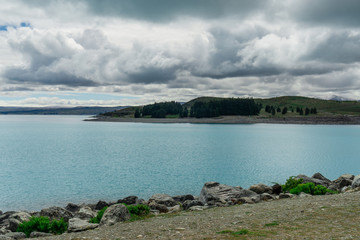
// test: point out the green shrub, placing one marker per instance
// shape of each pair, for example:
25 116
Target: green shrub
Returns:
310 188
42 224
58 227
98 217
291 183
139 210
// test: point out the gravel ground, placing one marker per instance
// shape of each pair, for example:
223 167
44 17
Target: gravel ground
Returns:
312 217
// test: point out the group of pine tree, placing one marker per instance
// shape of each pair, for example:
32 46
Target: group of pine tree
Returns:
273 110
213 108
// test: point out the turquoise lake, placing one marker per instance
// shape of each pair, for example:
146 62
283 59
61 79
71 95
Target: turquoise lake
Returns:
53 160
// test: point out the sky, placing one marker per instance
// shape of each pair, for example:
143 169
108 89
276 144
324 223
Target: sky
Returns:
132 52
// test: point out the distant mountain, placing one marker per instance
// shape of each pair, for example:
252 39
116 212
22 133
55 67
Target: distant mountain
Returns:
339 98
58 111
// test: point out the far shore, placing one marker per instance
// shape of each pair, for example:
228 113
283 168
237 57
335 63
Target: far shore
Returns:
321 120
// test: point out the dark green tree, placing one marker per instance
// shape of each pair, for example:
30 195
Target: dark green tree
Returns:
307 111
301 111
278 109
284 111
137 113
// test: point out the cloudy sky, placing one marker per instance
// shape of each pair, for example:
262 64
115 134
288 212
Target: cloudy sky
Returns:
121 52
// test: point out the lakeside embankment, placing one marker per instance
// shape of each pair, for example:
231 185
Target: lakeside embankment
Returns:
326 120
291 217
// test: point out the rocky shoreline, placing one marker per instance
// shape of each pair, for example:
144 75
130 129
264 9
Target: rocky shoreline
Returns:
213 194
321 120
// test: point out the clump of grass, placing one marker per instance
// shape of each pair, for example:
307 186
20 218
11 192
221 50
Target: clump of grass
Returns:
138 212
240 232
275 223
42 224
98 217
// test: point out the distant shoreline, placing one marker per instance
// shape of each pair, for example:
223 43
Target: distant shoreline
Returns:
318 120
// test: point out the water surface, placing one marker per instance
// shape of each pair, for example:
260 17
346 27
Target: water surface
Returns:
53 160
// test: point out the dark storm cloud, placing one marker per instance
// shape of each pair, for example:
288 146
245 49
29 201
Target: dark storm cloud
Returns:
165 10
337 48
44 77
149 75
327 12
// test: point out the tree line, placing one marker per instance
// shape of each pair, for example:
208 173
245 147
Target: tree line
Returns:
273 110
213 108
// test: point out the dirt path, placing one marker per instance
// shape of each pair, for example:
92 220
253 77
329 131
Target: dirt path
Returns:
314 217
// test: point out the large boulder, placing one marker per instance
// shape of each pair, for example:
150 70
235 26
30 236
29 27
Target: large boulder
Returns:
4 218
356 182
261 188
101 204
78 225
71 207
163 199
190 203
183 198
277 189
57 213
344 180
16 218
316 181
321 177
130 200
214 193
85 213
115 213
15 235
158 207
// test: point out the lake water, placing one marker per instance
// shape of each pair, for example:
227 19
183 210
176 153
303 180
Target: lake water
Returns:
53 160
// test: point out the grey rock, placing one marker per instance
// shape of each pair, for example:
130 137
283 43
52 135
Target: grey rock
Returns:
316 181
39 234
1 212
4 230
71 207
302 194
266 197
101 204
5 217
78 225
16 218
183 198
174 209
277 189
198 208
130 200
319 176
285 195
85 213
3 237
163 199
345 189
57 213
249 200
214 193
261 188
115 213
344 180
15 235
159 207
356 182
190 203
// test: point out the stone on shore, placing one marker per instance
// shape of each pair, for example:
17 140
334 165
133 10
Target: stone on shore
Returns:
130 200
57 213
323 181
191 203
261 188
266 197
183 198
158 207
214 193
356 182
16 219
78 225
115 213
101 204
14 235
163 199
85 213
277 189
344 180
39 234
71 207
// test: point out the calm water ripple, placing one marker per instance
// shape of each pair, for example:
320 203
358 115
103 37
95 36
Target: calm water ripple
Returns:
53 160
